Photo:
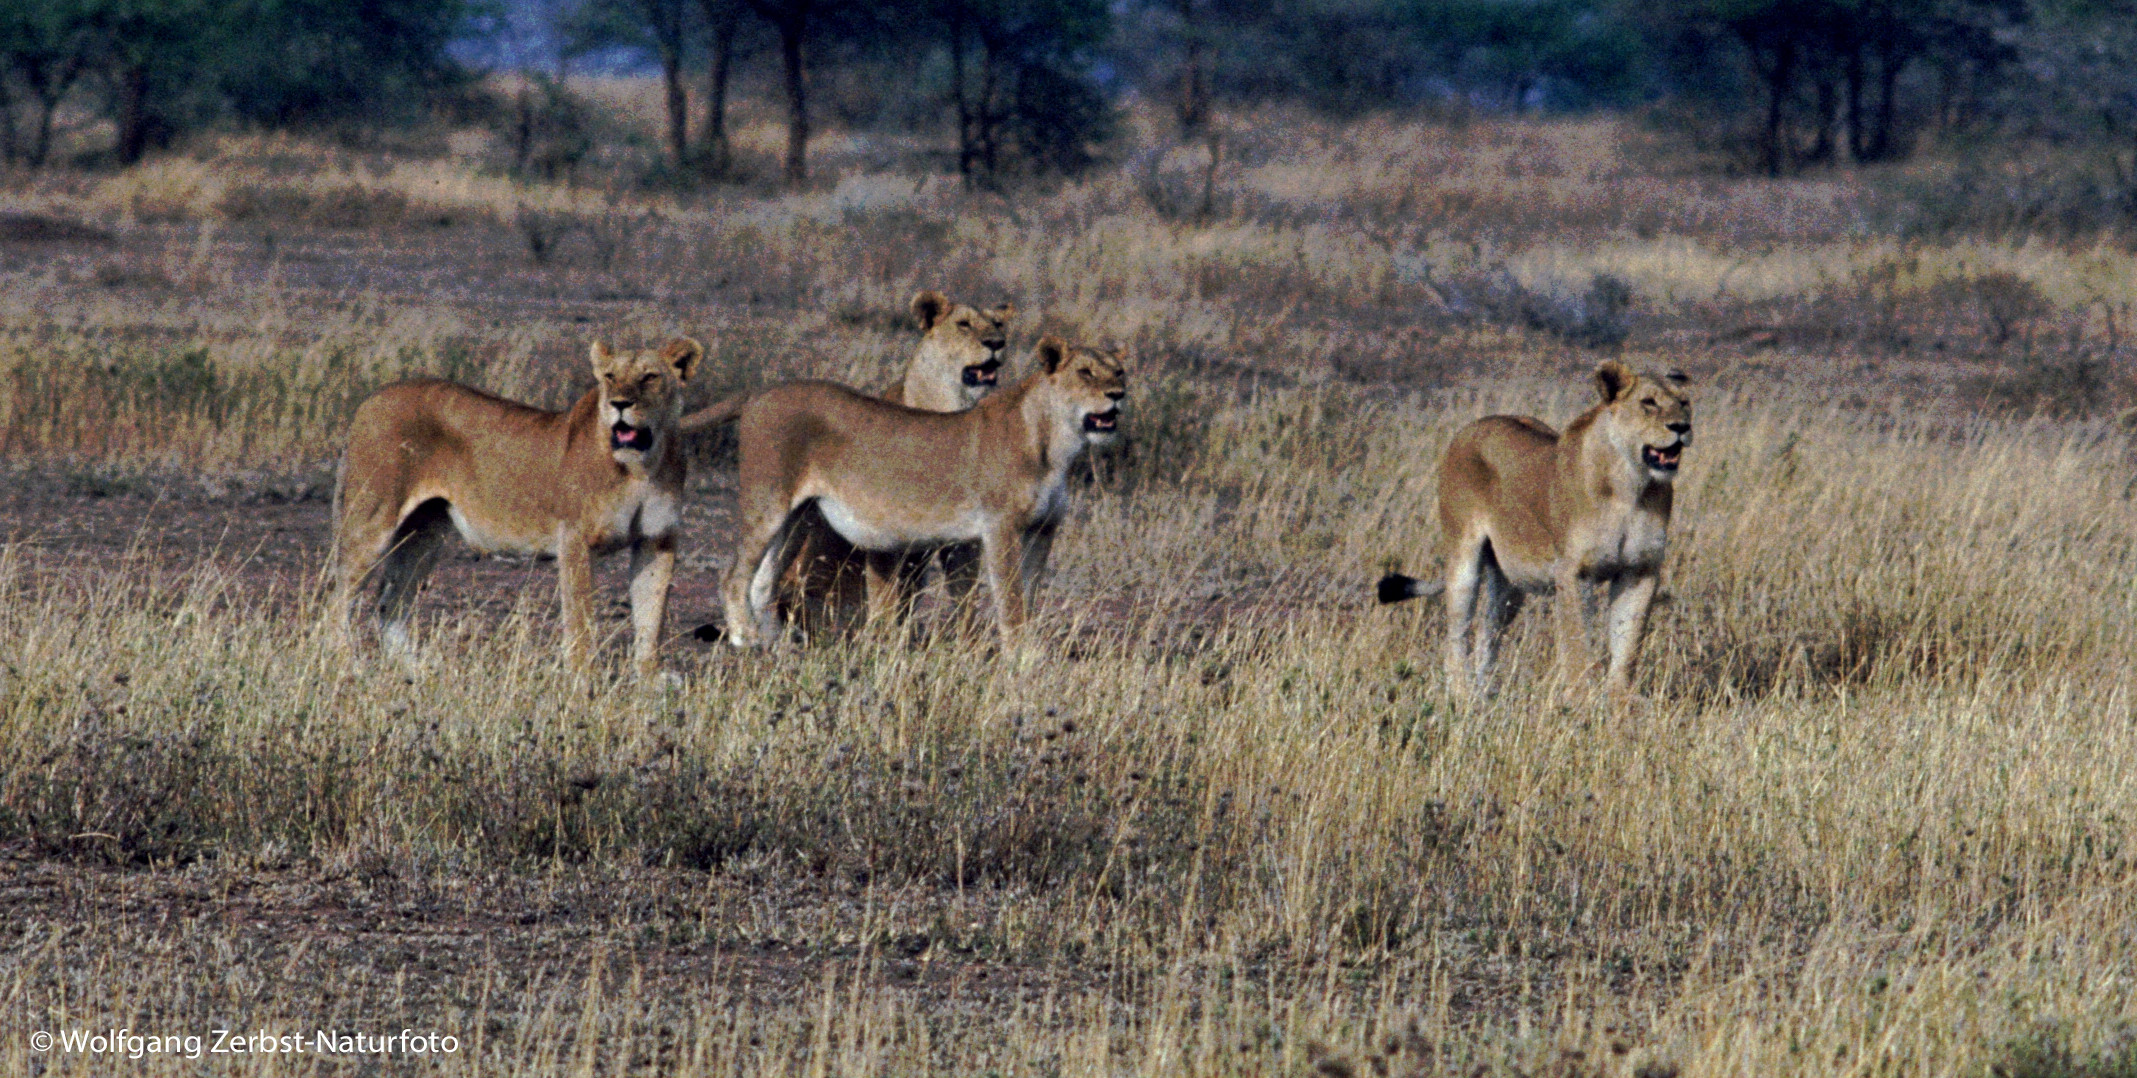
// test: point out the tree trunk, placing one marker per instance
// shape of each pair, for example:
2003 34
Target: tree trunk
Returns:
41 145
135 122
1858 140
7 127
990 119
48 86
723 24
791 30
1780 78
1194 82
678 101
1822 143
1888 76
967 142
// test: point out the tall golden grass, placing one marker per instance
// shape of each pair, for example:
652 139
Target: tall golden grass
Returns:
1878 822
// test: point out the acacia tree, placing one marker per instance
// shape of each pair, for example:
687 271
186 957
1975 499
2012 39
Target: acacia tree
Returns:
157 63
723 34
1821 66
660 27
44 50
1020 83
793 21
666 23
2077 90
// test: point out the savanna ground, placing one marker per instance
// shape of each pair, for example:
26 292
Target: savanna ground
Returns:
1217 817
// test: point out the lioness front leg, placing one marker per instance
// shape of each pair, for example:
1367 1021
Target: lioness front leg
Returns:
575 590
1568 615
1002 553
1630 599
652 568
894 579
1031 568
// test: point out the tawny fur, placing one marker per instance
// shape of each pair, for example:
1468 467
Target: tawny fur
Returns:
428 458
826 589
892 480
1528 510
958 362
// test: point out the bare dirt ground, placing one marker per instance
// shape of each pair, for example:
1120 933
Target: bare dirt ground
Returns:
272 541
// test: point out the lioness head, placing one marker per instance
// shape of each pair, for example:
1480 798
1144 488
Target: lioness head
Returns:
961 345
641 395
1088 386
1647 419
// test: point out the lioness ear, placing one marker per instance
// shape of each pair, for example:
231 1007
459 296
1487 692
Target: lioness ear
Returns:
928 308
600 354
682 353
1612 379
1053 352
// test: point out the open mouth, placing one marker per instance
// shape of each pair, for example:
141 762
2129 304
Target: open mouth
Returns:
1105 422
625 436
984 374
1662 460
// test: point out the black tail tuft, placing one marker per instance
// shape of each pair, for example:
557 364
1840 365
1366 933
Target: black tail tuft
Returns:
712 632
1395 587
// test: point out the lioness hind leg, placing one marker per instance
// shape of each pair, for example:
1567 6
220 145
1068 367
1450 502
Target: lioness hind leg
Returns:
752 617
412 551
1464 565
358 548
820 593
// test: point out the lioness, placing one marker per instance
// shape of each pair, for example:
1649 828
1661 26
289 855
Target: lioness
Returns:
427 458
889 478
1527 510
959 361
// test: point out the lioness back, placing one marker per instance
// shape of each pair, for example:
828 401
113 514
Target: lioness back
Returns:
415 439
822 438
1491 475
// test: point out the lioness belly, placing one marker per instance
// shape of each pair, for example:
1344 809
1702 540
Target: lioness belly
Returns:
494 537
875 531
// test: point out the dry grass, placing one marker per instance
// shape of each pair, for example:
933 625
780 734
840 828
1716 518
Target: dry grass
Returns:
1217 814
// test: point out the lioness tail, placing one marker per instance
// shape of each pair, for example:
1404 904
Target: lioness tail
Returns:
1395 588
714 415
